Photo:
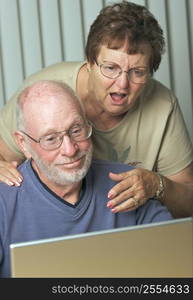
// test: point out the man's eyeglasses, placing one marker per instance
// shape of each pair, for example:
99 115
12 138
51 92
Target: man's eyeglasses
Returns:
113 71
53 141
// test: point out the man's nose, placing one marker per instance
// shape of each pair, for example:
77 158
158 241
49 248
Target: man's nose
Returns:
68 146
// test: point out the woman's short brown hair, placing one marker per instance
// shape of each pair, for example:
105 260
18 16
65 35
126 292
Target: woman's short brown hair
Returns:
126 21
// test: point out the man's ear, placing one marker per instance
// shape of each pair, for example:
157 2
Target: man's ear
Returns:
21 142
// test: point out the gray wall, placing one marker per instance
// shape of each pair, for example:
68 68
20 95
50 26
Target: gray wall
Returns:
37 33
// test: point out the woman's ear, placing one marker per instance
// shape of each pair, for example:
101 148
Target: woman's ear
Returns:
21 142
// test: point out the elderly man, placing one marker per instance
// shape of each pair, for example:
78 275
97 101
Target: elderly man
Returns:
64 192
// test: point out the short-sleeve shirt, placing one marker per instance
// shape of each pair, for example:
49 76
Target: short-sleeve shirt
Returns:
152 135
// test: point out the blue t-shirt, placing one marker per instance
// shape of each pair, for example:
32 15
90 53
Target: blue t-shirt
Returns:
32 211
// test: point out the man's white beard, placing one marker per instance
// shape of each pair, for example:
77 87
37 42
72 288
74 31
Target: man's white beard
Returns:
58 175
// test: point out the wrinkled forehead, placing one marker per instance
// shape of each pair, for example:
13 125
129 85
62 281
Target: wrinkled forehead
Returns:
54 112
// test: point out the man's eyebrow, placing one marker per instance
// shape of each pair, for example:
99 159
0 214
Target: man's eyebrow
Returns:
77 121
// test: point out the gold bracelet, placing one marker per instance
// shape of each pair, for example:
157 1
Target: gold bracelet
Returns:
159 194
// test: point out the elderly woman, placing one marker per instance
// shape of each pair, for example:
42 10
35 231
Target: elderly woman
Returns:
135 118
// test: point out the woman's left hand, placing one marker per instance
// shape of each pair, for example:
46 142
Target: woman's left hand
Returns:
135 187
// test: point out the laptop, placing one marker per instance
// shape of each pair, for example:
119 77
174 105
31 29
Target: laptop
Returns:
162 249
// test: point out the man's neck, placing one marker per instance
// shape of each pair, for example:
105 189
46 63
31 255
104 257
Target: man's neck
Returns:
69 193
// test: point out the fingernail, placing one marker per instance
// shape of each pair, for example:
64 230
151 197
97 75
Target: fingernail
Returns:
17 184
114 210
112 194
10 183
109 204
20 179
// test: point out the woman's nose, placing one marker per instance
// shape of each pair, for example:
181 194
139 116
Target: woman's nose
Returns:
123 80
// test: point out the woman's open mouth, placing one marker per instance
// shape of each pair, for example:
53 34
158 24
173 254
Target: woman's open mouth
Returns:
118 98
